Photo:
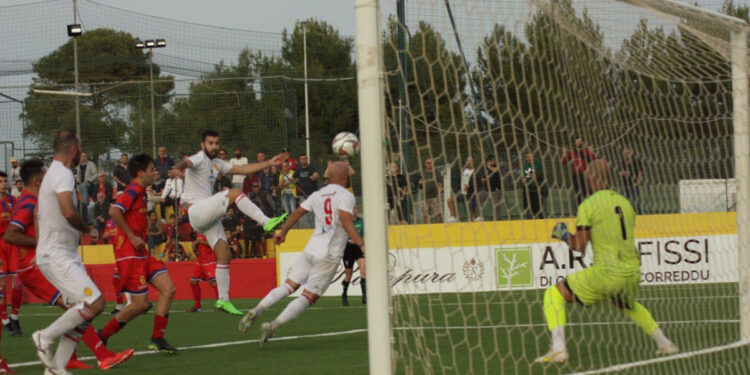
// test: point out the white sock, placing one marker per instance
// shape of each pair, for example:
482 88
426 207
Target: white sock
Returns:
293 310
69 320
6 321
275 295
222 281
659 338
68 344
251 210
558 339
118 306
14 316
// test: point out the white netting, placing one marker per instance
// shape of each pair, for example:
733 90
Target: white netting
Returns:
511 80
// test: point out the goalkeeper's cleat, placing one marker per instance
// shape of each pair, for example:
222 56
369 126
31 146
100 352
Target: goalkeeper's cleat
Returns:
161 345
116 359
552 356
668 349
265 333
227 307
274 222
248 320
75 364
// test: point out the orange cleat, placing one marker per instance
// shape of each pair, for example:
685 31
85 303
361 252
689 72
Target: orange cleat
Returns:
4 369
75 364
116 359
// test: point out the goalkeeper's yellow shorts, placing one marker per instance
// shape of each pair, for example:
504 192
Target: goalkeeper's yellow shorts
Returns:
592 286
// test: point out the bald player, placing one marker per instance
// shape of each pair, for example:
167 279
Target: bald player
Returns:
606 219
315 268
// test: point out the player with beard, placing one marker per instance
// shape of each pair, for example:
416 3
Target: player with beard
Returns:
205 209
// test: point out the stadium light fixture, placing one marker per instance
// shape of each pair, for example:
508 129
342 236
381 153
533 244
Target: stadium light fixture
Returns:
139 44
161 43
75 30
150 43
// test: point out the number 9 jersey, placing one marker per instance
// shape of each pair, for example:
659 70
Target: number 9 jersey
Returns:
329 239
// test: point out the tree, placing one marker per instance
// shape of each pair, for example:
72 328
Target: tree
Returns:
106 58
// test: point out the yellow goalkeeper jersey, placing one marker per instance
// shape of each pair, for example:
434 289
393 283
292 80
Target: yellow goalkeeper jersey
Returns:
611 218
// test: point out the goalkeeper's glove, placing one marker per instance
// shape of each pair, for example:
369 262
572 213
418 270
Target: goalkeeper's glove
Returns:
560 232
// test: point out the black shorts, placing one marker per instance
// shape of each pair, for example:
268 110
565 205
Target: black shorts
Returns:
352 252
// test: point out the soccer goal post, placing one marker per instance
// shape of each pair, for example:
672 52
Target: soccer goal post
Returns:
477 120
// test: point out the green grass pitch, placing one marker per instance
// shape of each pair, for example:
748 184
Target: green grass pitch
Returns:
492 333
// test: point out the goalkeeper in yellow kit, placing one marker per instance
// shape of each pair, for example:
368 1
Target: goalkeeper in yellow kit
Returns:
606 219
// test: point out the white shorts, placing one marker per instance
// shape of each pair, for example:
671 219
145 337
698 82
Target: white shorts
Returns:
69 276
205 217
313 273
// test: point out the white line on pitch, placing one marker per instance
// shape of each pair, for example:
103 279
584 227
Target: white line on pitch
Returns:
630 365
221 344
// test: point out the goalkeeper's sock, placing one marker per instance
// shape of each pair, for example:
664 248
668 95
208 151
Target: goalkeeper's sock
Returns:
345 285
275 295
554 311
642 318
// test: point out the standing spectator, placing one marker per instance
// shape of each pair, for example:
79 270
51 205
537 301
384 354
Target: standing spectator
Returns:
467 189
101 186
238 160
170 194
154 232
396 184
254 235
121 175
288 188
260 157
275 190
289 159
631 172
308 177
231 222
579 159
234 245
163 163
15 172
535 190
222 154
86 175
432 188
101 211
490 186
17 189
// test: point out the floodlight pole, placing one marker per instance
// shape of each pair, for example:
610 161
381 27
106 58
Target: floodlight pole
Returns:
307 108
75 73
153 118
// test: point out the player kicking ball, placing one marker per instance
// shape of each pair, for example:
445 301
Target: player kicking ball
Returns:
136 265
205 209
607 220
21 235
315 268
204 270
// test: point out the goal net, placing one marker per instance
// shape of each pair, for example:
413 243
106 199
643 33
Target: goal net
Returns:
492 110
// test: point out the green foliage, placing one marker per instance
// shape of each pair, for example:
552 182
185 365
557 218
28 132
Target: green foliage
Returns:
106 57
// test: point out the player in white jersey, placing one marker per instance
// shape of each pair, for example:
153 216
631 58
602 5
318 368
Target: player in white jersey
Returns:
205 209
57 256
315 268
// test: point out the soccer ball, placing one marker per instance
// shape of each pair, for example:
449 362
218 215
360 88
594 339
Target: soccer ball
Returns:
345 145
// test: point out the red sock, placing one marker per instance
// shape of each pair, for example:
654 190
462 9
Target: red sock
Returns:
112 327
3 307
118 291
160 324
96 345
196 294
216 290
17 296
